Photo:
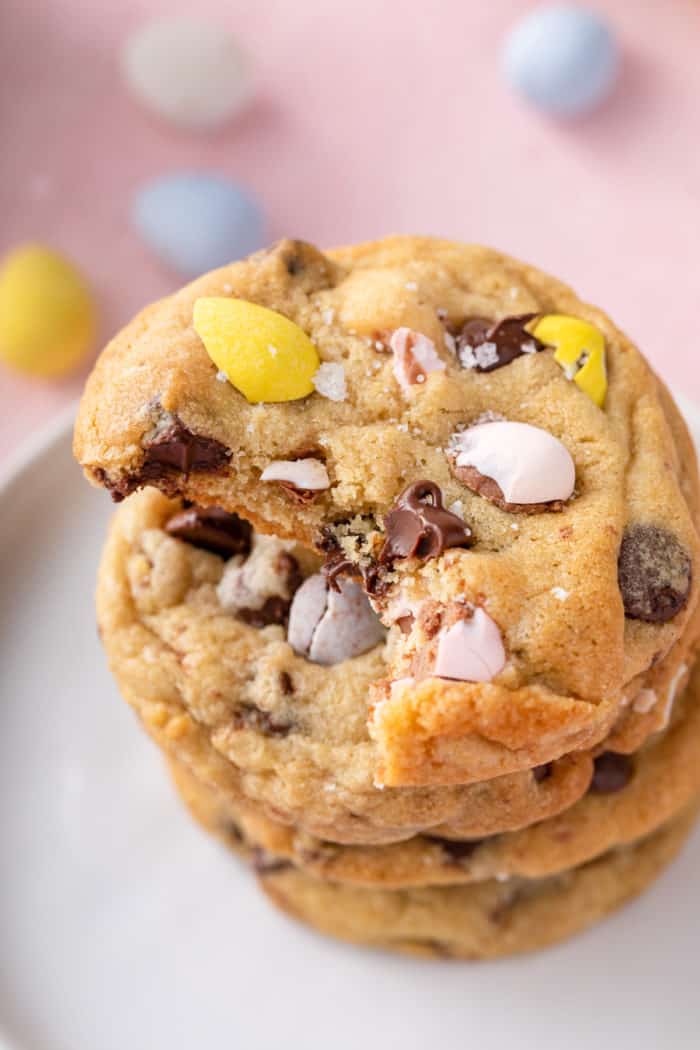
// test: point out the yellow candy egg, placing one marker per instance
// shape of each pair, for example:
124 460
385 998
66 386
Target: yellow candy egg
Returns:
579 349
47 317
262 353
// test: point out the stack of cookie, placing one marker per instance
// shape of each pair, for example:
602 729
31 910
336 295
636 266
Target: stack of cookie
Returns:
407 596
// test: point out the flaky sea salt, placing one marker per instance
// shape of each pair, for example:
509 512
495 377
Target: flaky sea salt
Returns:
457 508
222 377
559 593
328 316
483 356
411 286
329 381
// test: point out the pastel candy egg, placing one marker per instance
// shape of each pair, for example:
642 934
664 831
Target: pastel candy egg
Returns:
470 650
195 221
47 316
329 626
513 464
262 353
579 349
187 70
562 58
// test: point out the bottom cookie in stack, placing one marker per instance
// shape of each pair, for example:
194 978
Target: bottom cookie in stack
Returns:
480 920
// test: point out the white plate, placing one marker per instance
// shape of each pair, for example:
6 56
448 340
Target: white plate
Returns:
123 927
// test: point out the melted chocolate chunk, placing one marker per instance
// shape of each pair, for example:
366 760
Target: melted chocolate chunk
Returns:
505 340
212 529
456 851
175 451
611 772
248 716
543 772
654 574
418 526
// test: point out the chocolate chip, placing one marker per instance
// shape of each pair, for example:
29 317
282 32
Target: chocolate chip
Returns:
265 863
654 574
232 832
274 610
418 526
456 851
176 448
294 265
611 772
543 772
485 346
248 716
338 564
286 683
212 529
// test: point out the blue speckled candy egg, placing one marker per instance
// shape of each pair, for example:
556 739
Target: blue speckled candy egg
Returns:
196 221
562 58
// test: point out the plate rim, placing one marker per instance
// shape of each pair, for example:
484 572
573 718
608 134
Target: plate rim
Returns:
33 447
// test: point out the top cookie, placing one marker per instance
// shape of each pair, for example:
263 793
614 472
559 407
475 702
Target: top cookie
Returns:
490 455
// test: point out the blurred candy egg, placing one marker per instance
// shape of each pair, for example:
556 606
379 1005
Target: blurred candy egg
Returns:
195 221
563 59
187 70
47 316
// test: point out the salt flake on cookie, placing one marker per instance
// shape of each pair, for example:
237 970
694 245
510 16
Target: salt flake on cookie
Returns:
415 357
517 466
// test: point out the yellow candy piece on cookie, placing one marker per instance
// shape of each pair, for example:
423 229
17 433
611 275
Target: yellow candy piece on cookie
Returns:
579 349
47 316
262 353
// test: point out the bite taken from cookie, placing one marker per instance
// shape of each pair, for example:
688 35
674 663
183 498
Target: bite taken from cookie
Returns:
497 489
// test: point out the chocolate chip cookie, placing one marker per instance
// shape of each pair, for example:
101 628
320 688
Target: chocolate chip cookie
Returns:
197 613
481 920
628 798
459 436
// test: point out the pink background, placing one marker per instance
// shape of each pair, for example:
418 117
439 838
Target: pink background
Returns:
372 116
